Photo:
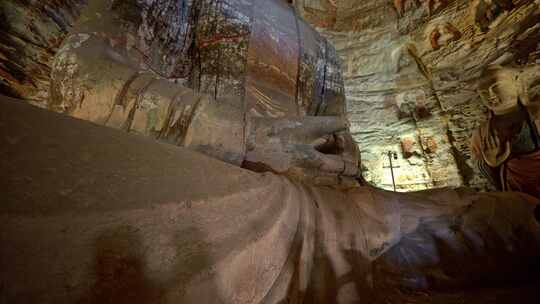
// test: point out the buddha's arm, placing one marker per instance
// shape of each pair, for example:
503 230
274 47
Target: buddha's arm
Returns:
92 81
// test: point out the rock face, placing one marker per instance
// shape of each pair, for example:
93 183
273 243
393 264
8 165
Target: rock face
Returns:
30 33
141 66
410 70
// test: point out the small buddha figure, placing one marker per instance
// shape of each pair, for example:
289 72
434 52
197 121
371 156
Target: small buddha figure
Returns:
443 34
507 146
106 73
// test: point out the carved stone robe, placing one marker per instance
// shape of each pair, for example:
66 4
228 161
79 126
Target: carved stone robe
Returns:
94 215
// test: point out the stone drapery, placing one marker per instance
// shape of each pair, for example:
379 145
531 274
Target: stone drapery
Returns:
94 215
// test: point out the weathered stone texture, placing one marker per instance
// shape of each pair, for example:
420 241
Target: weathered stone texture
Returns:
391 97
30 33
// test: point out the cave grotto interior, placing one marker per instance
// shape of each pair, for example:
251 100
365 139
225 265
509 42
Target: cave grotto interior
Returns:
270 151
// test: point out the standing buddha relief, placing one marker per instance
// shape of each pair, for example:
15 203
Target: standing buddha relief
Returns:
443 34
507 146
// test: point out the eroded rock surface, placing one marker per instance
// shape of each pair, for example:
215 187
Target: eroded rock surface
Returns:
30 34
394 106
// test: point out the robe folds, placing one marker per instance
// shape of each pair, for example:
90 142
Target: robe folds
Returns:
519 168
94 215
523 173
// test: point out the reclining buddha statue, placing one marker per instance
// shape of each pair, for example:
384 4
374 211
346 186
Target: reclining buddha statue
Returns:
237 179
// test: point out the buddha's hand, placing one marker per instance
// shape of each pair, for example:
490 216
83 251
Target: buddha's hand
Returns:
310 142
492 151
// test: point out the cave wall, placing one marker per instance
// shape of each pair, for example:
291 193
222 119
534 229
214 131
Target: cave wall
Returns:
30 33
425 116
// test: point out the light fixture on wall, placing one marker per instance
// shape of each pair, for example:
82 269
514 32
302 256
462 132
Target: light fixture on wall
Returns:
392 154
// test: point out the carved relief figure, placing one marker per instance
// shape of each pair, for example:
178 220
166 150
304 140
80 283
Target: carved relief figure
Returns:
248 85
507 146
443 34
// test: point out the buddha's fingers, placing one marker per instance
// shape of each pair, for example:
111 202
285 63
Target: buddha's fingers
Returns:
306 156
